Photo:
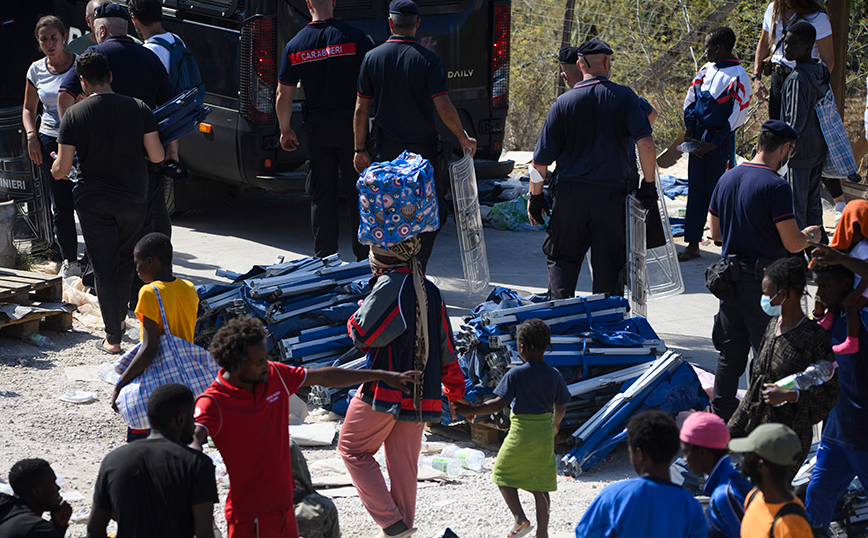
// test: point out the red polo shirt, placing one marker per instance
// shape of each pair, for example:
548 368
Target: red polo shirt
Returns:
251 431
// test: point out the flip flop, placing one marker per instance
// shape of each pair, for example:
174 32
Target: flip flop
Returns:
521 532
102 348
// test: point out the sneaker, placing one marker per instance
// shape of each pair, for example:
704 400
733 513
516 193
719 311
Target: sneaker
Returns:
68 269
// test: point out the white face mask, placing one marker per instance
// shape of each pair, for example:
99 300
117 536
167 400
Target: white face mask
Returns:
783 168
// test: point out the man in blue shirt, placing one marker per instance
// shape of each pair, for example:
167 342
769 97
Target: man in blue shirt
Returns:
752 214
634 507
843 451
590 131
325 56
704 439
401 85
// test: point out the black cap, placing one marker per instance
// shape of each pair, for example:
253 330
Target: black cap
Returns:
407 7
780 128
111 10
568 55
594 46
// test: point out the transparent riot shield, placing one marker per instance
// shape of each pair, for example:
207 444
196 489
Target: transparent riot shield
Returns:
637 290
663 274
469 223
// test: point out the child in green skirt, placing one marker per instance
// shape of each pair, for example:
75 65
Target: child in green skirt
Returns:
527 458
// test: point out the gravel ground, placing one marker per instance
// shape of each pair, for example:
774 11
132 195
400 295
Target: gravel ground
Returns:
74 438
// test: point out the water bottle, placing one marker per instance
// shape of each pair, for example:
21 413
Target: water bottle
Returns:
450 466
815 374
688 147
37 340
432 446
470 458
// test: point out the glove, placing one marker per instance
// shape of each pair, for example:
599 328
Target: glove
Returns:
537 205
647 194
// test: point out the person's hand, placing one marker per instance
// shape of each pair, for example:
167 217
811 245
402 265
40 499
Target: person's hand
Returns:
461 407
115 394
469 145
759 90
80 97
647 194
537 205
704 147
775 395
826 255
361 161
399 380
60 515
34 149
288 140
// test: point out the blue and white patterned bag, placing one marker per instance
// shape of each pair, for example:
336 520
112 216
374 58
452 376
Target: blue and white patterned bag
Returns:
840 162
397 200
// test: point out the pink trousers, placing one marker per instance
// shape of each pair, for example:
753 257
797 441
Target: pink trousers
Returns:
363 433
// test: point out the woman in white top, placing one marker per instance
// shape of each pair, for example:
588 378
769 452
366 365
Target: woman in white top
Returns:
43 81
779 15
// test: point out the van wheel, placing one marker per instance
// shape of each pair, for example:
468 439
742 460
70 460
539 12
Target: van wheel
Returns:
171 206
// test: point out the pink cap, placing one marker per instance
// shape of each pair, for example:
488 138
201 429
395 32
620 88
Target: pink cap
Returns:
705 429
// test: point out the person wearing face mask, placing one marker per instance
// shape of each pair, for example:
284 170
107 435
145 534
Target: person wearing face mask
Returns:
752 214
790 344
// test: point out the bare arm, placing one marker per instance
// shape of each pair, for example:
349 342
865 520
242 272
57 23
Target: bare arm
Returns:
827 53
154 147
144 357
283 106
63 163
28 118
172 151
203 520
715 229
449 115
64 101
560 411
793 238
200 435
827 255
344 377
97 522
537 188
360 133
647 158
762 52
491 406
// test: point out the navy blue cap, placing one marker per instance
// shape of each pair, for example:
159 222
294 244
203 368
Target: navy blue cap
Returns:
780 128
594 46
111 10
568 55
407 7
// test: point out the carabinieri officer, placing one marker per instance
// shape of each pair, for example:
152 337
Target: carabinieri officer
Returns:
590 131
401 84
325 55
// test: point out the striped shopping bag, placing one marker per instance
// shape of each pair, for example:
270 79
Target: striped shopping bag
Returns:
177 361
840 162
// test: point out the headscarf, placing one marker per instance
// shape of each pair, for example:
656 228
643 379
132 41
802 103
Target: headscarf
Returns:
405 252
856 211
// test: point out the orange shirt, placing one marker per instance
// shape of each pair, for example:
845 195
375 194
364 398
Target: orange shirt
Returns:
758 517
180 301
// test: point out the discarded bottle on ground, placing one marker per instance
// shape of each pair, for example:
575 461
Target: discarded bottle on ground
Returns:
450 466
37 340
815 374
432 446
470 458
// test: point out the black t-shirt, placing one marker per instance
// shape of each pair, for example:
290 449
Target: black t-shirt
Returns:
402 78
326 56
136 72
107 131
151 485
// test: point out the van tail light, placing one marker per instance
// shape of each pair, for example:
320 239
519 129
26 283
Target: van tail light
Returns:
500 56
259 69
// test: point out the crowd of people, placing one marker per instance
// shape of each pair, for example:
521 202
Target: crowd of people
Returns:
97 96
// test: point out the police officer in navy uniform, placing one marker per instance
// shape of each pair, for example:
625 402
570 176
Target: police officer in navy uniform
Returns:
401 85
325 55
590 131
752 214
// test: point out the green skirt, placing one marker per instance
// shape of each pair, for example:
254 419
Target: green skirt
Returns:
526 459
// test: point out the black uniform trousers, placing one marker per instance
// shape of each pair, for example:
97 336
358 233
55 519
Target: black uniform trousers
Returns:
738 327
330 149
156 219
587 214
387 149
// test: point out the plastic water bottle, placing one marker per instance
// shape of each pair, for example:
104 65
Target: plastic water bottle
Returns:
38 340
688 147
450 466
470 458
432 446
815 374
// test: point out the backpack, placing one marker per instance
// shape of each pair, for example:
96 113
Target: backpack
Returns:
788 509
183 69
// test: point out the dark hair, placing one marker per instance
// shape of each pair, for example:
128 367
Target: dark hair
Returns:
166 402
716 452
49 20
93 66
654 433
25 474
535 334
230 344
769 141
723 36
804 32
147 11
834 271
155 245
789 272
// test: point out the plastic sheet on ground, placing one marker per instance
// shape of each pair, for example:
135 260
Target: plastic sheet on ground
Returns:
320 434
510 215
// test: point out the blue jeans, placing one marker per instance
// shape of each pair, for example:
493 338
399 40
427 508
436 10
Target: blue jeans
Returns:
835 469
62 203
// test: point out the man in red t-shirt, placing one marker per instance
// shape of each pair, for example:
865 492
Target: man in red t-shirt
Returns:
246 413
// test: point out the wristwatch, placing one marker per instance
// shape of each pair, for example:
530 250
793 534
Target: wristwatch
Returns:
755 76
360 150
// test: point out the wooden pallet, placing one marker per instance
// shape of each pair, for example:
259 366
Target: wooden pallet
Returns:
481 435
25 287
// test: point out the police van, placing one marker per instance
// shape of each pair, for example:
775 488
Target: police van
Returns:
238 45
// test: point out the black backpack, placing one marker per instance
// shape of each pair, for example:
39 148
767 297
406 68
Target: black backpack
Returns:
788 509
